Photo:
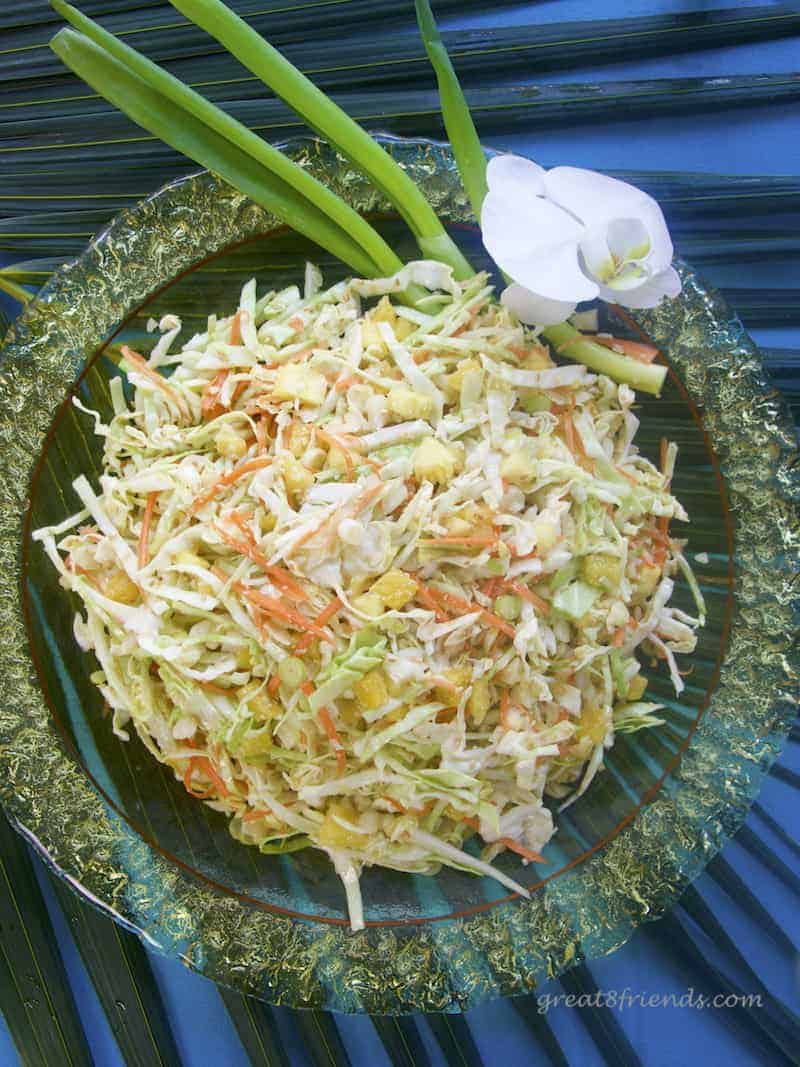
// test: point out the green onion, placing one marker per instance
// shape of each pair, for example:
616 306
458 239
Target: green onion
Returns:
471 163
458 122
321 113
647 377
180 129
250 143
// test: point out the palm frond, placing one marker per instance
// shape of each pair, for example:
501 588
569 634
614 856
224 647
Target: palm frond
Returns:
321 1038
257 1029
601 1023
121 974
410 111
737 889
363 60
776 828
35 997
671 934
401 1040
454 1038
528 1010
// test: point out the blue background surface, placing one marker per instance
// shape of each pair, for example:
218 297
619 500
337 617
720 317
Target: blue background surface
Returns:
759 140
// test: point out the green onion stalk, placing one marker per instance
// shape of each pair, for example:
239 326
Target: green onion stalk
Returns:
176 114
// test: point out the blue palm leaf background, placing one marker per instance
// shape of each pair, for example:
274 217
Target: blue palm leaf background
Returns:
700 103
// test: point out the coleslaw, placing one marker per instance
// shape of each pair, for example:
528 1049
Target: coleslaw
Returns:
372 578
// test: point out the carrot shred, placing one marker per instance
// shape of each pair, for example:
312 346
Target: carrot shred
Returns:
328 725
144 535
232 476
321 620
236 329
618 639
254 814
334 442
528 594
210 405
344 384
459 604
273 685
427 601
642 353
204 765
307 688
521 850
271 604
280 576
419 812
144 368
261 434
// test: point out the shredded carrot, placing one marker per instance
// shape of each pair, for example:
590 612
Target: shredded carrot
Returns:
538 602
489 587
254 814
344 383
204 765
419 812
642 353
236 329
618 638
625 474
307 688
274 606
296 322
457 602
508 842
328 725
144 368
280 576
210 406
261 434
321 620
144 535
228 479
526 853
273 685
334 442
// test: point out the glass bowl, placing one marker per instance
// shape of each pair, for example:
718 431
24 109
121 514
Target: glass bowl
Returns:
124 833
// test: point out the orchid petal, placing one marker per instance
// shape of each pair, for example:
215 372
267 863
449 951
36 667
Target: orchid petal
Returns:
515 225
517 176
553 272
535 310
664 285
596 200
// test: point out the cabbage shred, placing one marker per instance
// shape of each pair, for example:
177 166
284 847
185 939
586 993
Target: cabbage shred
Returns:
375 581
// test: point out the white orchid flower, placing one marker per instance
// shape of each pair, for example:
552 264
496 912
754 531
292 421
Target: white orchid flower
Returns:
566 235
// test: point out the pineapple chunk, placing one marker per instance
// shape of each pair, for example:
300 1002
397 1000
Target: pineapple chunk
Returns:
293 382
649 577
479 701
601 570
407 404
368 604
536 358
404 328
545 532
190 559
262 707
371 335
299 439
370 691
118 586
459 678
517 467
383 311
636 687
395 588
434 462
335 835
260 744
297 478
229 443
592 724
453 382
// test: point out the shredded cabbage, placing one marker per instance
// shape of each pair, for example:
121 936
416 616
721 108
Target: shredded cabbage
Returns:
375 581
